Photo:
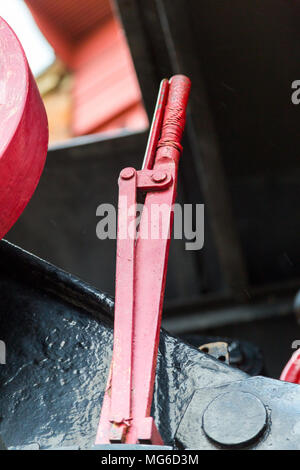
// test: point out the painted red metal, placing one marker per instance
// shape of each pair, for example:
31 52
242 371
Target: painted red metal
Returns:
291 372
141 274
23 130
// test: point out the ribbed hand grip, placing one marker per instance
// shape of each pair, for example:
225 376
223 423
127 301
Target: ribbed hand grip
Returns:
175 112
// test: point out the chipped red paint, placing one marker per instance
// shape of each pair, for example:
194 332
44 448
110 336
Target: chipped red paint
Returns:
23 130
141 269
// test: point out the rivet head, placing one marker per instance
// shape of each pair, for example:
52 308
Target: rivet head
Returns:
127 173
234 419
159 177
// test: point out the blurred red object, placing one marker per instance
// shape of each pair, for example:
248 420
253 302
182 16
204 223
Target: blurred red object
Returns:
89 39
23 130
291 372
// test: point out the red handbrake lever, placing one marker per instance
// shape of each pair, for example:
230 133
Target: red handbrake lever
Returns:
141 267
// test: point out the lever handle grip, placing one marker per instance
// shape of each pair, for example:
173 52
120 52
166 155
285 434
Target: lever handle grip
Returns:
175 113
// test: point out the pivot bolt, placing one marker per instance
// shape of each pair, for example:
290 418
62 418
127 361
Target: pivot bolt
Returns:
127 173
159 177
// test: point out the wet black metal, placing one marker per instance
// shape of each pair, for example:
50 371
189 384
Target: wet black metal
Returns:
58 334
234 419
280 431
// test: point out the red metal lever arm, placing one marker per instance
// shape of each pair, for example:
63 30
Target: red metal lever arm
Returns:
140 280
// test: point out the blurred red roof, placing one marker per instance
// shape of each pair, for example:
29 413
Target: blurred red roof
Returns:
88 38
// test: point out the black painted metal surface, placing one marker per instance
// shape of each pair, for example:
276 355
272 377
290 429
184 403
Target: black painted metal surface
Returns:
234 419
58 333
59 341
281 431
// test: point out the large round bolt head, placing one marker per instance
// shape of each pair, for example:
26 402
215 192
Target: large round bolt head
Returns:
127 173
234 419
